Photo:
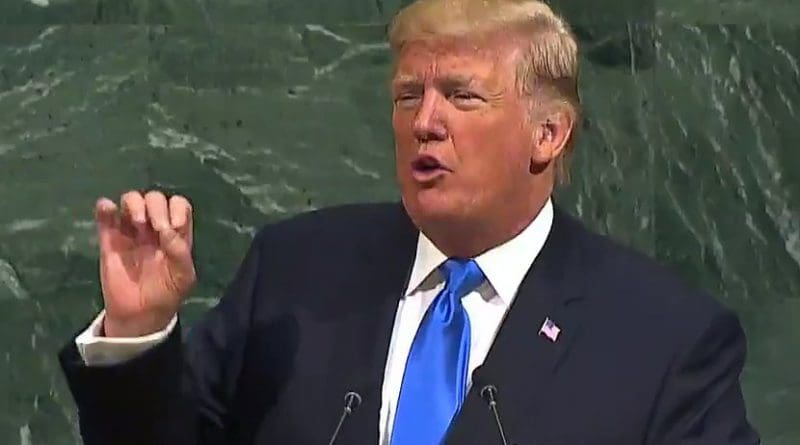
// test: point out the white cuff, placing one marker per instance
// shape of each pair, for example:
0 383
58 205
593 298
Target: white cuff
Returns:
99 351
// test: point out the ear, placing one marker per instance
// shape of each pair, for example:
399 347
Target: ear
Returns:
551 134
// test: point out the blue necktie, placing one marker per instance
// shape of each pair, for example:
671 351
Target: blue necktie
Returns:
435 379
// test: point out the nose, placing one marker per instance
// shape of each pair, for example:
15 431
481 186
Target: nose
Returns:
428 123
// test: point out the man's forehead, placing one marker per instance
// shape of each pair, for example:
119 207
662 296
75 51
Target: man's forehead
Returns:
462 71
425 61
474 57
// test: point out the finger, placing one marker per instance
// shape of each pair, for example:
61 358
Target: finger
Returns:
133 208
107 219
175 246
157 212
105 212
179 211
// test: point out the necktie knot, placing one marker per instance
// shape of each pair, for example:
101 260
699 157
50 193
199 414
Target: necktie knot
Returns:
462 276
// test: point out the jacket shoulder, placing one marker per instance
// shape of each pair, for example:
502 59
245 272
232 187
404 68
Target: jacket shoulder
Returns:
337 234
335 222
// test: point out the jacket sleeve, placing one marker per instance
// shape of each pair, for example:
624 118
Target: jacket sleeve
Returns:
177 392
701 400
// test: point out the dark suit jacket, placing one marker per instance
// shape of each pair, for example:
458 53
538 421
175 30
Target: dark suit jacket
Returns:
641 359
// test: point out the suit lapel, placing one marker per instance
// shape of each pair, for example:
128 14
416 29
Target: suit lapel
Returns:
388 258
522 361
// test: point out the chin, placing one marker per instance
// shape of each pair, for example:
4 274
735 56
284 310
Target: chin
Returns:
431 206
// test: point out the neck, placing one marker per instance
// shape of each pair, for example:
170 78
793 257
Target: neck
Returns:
470 238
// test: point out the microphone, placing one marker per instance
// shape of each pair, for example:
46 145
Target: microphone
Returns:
351 401
489 395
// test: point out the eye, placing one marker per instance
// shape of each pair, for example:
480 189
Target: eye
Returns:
465 99
407 100
463 95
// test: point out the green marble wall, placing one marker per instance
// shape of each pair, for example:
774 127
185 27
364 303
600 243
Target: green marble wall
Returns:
260 109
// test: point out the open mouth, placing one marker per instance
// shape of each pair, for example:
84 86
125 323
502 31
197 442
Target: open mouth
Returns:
427 164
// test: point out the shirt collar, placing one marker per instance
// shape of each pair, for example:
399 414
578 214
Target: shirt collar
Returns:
505 265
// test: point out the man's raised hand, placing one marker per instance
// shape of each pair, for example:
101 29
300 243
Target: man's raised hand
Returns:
146 265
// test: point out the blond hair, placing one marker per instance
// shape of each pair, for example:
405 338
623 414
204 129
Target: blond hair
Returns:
549 64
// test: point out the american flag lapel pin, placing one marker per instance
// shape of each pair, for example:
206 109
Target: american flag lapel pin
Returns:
550 330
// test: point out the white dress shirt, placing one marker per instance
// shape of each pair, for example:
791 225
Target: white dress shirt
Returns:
504 266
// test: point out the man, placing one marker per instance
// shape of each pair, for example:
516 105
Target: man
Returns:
476 281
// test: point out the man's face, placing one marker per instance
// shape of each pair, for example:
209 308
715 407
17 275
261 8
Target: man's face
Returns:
463 139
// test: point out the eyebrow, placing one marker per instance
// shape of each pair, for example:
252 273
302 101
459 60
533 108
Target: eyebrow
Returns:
449 82
406 82
454 82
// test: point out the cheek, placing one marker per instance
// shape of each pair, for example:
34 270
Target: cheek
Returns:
403 124
403 134
494 154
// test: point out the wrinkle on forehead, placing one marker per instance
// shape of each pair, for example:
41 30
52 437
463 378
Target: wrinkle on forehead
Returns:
488 61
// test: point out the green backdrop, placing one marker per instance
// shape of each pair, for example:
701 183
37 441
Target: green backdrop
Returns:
260 109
